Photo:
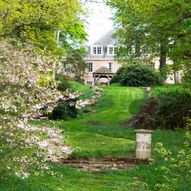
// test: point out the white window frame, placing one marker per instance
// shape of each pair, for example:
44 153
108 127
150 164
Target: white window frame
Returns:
90 67
96 50
113 49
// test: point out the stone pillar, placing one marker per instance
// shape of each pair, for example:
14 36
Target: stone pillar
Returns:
143 144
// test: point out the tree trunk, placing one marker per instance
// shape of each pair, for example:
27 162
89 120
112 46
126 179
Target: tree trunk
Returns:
163 56
176 77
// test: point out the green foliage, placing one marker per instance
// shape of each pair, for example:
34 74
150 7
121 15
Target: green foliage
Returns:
137 75
153 29
146 118
45 80
74 63
187 78
39 22
53 27
63 85
64 111
156 91
176 170
174 109
107 138
170 109
86 90
21 98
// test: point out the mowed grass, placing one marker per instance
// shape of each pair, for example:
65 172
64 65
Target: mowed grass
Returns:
100 134
167 88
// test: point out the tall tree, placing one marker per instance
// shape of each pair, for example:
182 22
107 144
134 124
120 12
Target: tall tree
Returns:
37 21
160 27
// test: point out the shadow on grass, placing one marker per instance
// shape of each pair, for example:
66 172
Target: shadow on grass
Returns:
135 105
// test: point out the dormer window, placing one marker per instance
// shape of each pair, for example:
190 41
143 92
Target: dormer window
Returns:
97 50
94 50
112 50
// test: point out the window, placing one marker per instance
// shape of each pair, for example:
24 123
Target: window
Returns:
110 66
97 50
115 50
112 50
94 50
90 67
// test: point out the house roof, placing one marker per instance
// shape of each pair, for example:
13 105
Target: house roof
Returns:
103 70
106 39
104 42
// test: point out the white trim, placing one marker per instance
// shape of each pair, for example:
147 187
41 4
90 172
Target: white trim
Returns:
97 46
113 47
90 66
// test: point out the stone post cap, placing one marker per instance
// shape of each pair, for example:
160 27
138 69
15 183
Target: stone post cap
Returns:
143 131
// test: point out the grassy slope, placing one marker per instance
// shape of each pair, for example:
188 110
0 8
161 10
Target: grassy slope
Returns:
100 134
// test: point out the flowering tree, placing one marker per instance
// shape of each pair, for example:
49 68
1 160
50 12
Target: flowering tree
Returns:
29 34
21 97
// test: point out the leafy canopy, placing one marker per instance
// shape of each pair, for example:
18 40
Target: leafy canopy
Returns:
36 21
147 29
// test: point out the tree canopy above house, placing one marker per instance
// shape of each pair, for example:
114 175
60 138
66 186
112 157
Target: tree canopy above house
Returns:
154 28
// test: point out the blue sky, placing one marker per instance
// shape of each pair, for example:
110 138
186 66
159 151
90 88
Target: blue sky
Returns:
98 21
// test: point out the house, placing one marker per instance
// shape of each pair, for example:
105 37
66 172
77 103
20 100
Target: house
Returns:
101 62
102 65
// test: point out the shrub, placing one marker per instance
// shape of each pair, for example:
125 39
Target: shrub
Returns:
174 109
137 75
174 170
170 111
64 110
63 85
146 117
187 79
45 80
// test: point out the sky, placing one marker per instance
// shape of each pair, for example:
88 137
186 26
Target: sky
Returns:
98 21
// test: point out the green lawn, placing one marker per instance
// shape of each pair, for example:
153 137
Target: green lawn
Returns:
167 88
100 134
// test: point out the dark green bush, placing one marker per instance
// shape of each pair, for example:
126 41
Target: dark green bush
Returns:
169 111
146 117
63 85
137 75
64 111
174 109
187 78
